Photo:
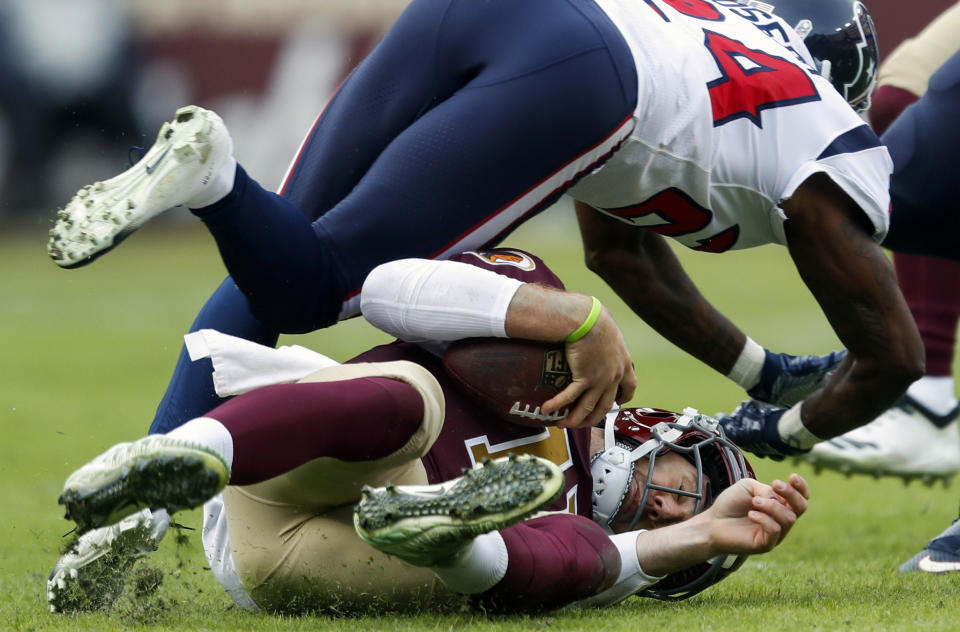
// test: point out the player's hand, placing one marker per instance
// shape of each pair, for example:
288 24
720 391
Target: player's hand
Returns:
786 379
602 375
752 517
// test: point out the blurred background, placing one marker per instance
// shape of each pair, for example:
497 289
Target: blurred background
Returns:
83 81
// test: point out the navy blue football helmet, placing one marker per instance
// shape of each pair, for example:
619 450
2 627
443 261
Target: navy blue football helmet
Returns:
841 38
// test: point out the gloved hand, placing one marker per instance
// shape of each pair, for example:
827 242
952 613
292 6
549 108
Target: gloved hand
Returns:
786 379
752 426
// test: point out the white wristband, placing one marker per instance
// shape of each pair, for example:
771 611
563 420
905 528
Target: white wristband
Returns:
746 370
421 300
791 429
632 578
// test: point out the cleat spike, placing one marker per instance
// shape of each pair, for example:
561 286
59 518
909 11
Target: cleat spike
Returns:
430 525
125 479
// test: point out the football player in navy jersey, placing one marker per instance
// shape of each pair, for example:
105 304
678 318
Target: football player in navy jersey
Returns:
917 111
711 122
655 503
918 438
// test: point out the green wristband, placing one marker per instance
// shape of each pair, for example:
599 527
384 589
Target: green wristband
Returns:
588 324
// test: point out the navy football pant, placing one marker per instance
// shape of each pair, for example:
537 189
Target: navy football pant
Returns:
925 188
467 119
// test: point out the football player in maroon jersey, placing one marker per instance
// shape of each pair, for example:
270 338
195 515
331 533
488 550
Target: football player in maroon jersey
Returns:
654 503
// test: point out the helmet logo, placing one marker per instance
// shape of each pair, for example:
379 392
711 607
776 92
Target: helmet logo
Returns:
803 28
513 258
867 61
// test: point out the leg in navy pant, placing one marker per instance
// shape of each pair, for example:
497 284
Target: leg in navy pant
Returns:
466 120
924 190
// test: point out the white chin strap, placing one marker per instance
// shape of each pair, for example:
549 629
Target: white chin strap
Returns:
826 69
612 470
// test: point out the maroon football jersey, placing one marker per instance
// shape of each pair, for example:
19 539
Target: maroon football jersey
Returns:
469 433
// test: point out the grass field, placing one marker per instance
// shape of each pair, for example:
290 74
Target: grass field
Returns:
85 355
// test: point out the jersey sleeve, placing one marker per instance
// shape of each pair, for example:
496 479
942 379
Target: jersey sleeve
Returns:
553 561
631 579
859 164
431 301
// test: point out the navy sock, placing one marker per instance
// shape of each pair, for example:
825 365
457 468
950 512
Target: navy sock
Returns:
276 258
190 392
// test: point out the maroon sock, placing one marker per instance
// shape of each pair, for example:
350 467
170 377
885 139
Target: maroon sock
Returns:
553 561
886 104
278 428
932 289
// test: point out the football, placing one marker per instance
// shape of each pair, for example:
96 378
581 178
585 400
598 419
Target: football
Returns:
511 378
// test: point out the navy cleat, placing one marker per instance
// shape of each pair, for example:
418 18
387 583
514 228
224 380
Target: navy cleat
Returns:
941 555
786 379
752 426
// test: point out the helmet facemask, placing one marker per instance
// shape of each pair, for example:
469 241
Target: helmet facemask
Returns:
632 435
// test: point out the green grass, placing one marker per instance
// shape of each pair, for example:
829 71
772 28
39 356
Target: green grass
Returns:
85 355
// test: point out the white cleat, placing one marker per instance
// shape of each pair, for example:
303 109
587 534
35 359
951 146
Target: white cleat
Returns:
153 472
906 441
188 155
92 574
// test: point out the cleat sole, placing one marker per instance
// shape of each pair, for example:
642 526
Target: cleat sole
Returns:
427 525
168 475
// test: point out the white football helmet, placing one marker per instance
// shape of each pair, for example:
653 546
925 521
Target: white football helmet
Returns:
632 434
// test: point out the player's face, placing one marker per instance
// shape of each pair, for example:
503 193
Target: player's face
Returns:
662 508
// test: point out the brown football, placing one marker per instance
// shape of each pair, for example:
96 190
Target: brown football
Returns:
510 377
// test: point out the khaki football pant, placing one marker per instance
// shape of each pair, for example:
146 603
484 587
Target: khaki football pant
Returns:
292 537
